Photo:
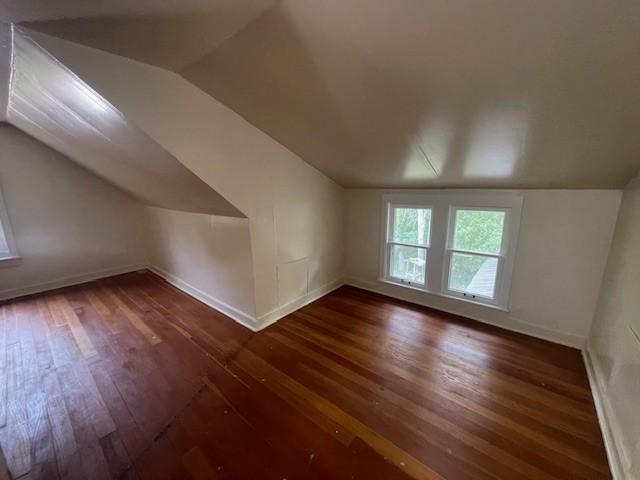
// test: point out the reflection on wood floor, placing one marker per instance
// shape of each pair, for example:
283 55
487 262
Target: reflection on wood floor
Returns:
129 378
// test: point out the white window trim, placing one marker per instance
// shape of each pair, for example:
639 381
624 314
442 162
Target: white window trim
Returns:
388 242
12 258
443 205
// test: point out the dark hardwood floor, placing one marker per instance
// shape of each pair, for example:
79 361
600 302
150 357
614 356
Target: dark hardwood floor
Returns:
130 378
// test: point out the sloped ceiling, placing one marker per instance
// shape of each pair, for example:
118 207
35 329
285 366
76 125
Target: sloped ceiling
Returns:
427 93
170 33
50 103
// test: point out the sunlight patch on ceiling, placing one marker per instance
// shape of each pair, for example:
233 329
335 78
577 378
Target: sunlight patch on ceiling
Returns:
496 145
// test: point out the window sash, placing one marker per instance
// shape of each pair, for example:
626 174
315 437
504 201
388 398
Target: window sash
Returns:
465 293
454 209
392 223
389 234
401 280
9 252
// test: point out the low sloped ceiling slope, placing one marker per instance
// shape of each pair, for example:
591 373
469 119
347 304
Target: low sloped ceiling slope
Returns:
170 33
422 93
5 67
50 103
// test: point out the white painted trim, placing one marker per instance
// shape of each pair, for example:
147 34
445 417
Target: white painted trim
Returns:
67 281
606 418
251 322
270 318
443 204
510 324
239 316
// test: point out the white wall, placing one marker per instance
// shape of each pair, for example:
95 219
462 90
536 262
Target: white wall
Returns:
212 252
562 250
614 348
68 224
295 212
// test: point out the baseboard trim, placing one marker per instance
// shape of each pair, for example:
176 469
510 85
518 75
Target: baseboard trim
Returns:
608 424
67 281
270 318
239 316
513 325
251 322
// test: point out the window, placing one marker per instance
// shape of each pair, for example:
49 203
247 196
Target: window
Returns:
455 244
408 244
475 251
7 248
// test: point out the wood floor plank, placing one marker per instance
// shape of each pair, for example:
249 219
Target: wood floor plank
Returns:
134 318
77 329
127 377
537 432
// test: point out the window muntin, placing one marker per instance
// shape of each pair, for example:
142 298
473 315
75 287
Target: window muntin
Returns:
408 241
469 249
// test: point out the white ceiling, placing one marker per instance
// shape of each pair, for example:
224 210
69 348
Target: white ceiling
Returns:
171 33
50 103
417 93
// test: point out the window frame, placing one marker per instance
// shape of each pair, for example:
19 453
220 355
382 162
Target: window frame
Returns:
5 229
443 205
389 242
451 250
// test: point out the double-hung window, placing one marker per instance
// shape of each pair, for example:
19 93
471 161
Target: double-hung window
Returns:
408 241
475 252
7 247
452 243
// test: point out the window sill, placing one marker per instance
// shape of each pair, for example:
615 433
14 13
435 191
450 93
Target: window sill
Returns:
6 262
443 295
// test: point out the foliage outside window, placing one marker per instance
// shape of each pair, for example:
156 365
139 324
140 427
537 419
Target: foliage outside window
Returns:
454 244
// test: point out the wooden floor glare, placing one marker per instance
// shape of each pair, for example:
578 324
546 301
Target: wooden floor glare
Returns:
130 378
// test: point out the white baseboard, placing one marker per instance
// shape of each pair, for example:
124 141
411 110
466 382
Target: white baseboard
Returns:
67 281
510 324
251 322
239 316
608 424
269 318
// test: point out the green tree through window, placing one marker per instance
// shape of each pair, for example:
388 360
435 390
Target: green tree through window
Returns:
412 225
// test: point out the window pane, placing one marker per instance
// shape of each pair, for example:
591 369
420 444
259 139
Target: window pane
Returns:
4 248
408 263
474 274
478 231
411 225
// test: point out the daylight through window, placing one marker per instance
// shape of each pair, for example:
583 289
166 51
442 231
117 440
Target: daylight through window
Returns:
408 246
458 245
